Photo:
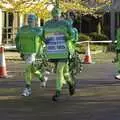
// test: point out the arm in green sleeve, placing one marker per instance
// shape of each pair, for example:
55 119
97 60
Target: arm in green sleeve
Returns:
40 52
118 39
70 32
17 41
76 34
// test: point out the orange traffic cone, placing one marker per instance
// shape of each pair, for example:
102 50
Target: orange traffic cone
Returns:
88 58
3 71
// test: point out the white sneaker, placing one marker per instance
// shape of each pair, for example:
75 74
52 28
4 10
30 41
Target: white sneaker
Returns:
27 92
117 77
44 83
47 72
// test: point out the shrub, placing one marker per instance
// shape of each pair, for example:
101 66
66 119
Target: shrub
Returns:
96 37
81 48
93 47
84 37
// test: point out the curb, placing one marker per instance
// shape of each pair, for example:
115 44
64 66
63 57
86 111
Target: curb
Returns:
13 58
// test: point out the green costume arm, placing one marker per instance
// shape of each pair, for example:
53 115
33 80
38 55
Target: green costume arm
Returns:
41 44
41 41
17 41
76 34
73 31
73 38
118 39
70 32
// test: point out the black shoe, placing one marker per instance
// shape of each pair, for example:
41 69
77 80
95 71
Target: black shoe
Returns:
115 60
71 89
56 96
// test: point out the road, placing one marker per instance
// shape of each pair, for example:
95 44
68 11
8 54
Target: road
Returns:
97 96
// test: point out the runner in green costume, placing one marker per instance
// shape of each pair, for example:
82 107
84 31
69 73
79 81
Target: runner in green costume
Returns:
29 43
58 35
75 62
117 59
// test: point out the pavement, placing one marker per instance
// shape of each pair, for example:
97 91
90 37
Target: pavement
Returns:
12 55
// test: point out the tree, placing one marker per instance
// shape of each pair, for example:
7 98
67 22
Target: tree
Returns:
40 6
26 6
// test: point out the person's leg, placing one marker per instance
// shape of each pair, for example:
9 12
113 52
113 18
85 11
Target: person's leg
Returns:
60 81
116 57
40 74
118 67
28 80
29 59
69 79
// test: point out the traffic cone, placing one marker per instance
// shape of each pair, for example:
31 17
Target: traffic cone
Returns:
3 71
88 58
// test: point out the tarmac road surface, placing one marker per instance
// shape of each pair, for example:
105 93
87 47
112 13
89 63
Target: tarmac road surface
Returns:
97 96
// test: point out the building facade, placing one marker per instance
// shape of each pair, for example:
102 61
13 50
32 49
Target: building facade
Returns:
9 24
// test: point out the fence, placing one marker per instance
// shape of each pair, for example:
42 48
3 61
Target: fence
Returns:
13 47
108 41
92 42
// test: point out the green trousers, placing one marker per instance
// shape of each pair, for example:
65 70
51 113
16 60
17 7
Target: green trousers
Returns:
30 72
63 75
118 62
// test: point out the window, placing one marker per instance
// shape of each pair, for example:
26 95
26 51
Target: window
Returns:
10 24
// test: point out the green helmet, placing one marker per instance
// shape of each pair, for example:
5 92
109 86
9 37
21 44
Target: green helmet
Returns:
70 21
31 18
56 12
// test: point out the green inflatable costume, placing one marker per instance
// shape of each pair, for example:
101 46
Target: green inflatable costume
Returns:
75 62
117 48
59 39
29 43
